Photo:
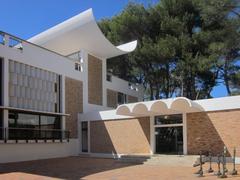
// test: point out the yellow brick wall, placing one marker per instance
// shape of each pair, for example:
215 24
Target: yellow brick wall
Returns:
213 130
112 98
129 136
95 89
73 104
132 99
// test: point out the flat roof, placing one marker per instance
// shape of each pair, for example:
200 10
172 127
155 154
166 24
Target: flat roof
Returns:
80 32
177 105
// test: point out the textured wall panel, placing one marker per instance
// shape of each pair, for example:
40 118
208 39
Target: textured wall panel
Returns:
73 104
95 89
32 88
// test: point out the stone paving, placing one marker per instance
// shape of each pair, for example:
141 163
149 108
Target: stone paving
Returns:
98 168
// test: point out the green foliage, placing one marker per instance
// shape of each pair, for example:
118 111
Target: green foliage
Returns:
185 47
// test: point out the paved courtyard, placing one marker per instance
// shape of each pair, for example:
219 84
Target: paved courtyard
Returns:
97 168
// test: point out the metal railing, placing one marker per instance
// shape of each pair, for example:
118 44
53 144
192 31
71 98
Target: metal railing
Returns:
33 134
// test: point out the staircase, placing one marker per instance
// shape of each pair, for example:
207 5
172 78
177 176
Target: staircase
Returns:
165 160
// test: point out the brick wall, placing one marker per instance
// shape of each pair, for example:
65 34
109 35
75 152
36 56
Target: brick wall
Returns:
130 136
132 99
213 130
112 98
95 89
73 104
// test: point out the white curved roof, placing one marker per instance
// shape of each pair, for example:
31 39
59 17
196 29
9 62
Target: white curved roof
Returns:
167 106
80 32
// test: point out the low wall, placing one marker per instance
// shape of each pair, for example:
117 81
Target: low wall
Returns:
12 152
128 136
212 131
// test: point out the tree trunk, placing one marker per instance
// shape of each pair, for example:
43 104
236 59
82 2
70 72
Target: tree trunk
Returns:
226 78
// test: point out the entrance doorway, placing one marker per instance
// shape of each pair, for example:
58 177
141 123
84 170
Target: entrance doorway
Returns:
168 134
169 140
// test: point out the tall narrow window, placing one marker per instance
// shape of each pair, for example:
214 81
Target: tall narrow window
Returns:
1 124
122 98
84 136
1 82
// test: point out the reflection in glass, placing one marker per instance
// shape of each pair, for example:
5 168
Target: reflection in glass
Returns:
168 119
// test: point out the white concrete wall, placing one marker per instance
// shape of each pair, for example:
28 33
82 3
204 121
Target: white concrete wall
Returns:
12 152
122 86
41 58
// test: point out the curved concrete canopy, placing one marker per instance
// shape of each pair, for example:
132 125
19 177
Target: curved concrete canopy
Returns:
167 106
185 105
140 108
80 32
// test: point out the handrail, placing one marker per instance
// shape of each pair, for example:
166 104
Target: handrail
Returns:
25 41
33 134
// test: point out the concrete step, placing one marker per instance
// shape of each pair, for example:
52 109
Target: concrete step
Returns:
133 158
171 160
168 160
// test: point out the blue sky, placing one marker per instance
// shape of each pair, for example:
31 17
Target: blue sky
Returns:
26 18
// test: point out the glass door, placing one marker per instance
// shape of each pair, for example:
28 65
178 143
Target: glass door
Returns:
169 140
84 136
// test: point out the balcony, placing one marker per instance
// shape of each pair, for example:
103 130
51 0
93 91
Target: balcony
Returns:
120 85
37 135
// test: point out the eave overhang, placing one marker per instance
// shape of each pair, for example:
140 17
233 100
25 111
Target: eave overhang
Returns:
80 32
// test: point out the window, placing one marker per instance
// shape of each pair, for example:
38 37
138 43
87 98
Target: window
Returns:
1 118
1 82
33 121
78 67
15 43
2 39
20 120
109 77
168 119
84 136
1 125
50 122
122 98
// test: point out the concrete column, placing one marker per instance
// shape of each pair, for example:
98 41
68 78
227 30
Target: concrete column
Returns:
184 133
62 101
5 83
5 92
89 140
6 40
152 135
85 80
104 75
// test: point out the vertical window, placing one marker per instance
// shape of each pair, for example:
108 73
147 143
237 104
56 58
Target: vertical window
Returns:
1 82
84 136
122 98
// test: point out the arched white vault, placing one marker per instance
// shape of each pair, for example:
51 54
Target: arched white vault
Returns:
167 106
80 32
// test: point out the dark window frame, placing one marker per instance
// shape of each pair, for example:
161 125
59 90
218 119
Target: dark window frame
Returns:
16 114
168 119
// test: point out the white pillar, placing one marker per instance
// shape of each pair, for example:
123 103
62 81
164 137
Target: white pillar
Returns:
89 141
85 80
6 40
62 102
5 92
184 133
152 135
104 75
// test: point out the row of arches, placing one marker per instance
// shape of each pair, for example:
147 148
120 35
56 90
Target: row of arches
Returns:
168 106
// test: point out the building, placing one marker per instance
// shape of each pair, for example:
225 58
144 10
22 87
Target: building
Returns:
57 100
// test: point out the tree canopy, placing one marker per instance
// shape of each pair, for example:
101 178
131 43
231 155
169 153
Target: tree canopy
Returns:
185 47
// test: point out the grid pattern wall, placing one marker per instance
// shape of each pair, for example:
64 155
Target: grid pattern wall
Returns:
33 88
